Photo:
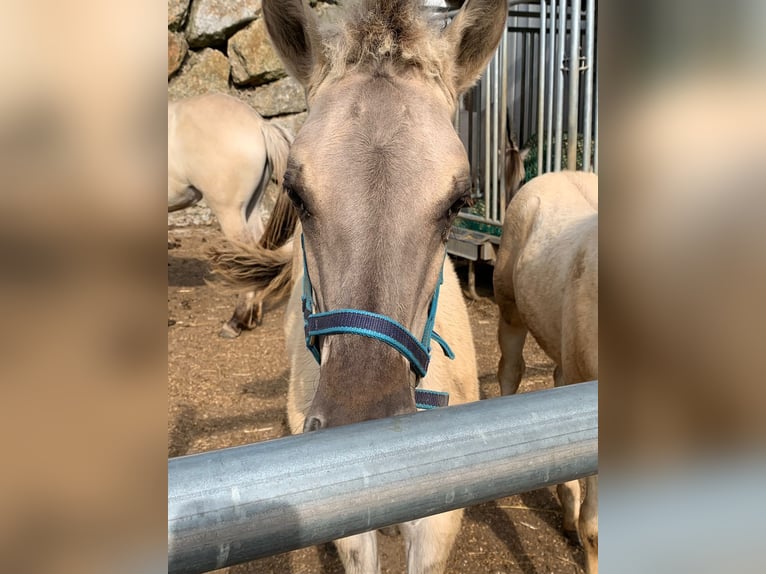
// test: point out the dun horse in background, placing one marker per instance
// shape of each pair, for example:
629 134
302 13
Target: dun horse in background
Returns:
219 148
515 172
546 282
377 174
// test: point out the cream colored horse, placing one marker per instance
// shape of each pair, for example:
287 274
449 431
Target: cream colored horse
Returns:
377 174
219 148
546 282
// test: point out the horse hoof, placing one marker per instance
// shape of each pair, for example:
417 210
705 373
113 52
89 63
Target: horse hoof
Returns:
229 332
572 537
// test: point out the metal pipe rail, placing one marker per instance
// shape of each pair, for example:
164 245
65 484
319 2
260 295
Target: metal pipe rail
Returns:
238 504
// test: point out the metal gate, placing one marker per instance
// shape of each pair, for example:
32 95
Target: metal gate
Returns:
529 90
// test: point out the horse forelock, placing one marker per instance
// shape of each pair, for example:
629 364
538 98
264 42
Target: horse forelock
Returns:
388 37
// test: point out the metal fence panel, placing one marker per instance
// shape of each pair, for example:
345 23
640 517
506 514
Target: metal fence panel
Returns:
239 504
542 81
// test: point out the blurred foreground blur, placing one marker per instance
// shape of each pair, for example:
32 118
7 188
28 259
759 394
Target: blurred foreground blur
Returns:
683 277
82 360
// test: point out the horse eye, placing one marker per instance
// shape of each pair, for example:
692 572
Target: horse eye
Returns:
459 204
297 202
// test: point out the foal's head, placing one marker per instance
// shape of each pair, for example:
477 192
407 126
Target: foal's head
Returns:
377 173
515 172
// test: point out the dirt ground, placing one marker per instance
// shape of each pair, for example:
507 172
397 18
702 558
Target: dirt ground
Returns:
225 393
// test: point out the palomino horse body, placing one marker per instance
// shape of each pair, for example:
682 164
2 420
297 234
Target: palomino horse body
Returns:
377 174
546 282
219 148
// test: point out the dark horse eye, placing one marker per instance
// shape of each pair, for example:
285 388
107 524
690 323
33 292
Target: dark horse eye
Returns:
461 202
297 202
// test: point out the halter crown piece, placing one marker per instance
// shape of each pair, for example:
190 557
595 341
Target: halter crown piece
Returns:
379 327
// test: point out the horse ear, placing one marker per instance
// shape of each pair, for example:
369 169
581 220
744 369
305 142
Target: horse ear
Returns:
524 153
292 27
474 34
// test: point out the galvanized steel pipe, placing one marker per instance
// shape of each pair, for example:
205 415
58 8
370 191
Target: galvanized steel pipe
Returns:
541 91
551 80
486 85
495 133
590 41
238 504
574 85
562 32
503 120
595 122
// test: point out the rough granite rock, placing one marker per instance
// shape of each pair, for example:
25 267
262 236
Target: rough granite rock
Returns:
253 61
284 96
205 71
177 12
177 48
212 21
199 214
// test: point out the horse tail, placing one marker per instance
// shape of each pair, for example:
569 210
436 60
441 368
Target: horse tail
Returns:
278 140
244 267
266 267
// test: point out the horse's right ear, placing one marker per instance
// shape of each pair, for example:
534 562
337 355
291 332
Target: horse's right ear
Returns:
292 28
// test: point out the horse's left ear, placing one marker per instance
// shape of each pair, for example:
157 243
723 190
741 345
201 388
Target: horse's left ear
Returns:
474 34
292 29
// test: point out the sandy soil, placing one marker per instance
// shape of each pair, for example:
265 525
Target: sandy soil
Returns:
229 392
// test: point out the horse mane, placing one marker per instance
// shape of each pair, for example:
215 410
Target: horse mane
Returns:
387 36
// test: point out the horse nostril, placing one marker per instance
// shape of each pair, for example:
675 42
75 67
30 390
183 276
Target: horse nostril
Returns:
313 423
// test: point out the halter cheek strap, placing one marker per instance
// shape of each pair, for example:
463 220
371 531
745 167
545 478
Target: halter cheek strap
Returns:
379 327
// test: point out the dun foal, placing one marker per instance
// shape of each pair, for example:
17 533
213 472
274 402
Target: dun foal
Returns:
546 282
377 175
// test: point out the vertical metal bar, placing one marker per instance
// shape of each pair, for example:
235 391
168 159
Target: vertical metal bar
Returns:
523 111
472 137
514 40
530 87
495 132
595 151
587 127
574 85
541 88
487 149
560 85
503 119
546 143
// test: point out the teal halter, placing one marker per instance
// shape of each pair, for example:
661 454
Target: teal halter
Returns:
379 327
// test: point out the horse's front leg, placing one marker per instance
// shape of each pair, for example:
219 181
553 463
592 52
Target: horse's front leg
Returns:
429 540
359 553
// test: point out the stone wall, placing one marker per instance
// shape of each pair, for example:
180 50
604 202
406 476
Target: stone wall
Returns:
222 46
